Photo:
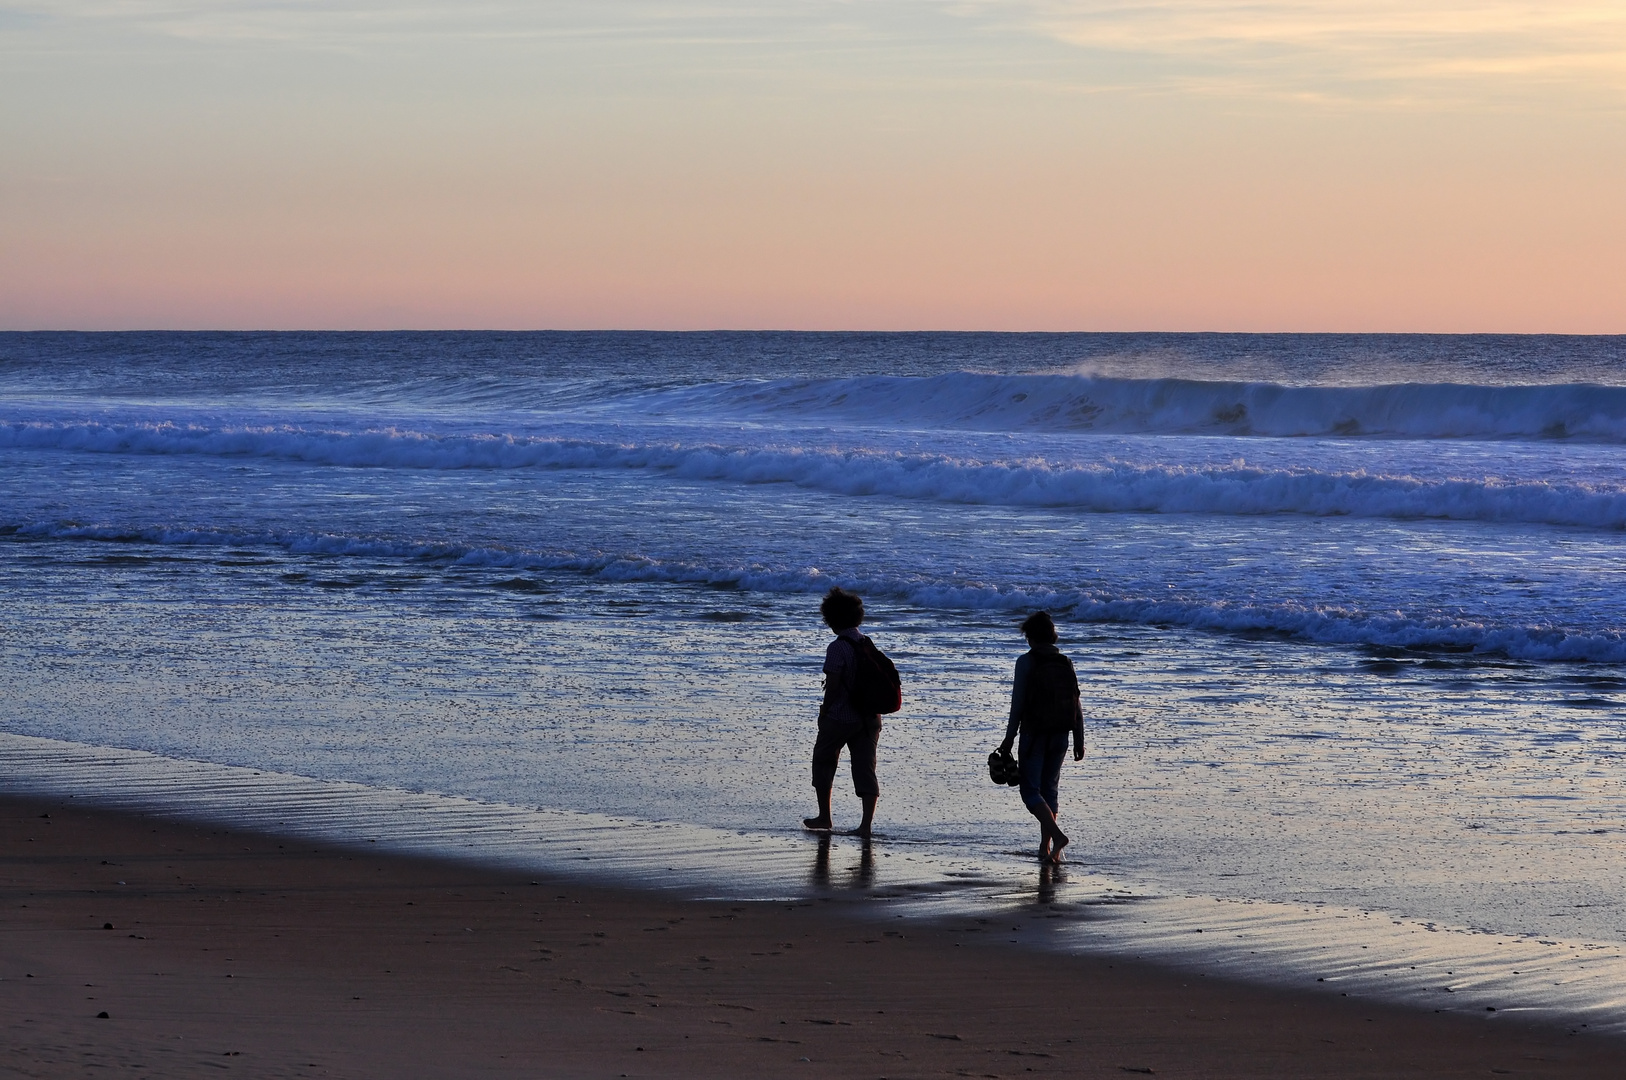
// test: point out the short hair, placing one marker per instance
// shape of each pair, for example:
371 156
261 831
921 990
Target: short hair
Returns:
1039 628
842 609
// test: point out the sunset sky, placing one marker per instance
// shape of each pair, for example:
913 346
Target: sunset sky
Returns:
1449 165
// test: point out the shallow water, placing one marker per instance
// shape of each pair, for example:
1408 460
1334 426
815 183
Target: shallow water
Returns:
1376 667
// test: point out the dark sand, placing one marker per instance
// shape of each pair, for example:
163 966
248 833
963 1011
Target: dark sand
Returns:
239 953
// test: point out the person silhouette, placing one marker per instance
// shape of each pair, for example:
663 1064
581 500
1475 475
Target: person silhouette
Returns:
841 724
1045 710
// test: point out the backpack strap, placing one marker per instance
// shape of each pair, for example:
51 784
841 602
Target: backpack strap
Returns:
852 672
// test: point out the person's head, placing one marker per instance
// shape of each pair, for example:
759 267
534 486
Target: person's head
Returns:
1039 629
842 609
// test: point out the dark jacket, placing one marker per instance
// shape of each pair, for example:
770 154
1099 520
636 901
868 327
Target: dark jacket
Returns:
1024 665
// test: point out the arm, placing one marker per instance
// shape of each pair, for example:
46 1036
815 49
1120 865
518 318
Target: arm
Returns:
1078 729
837 677
834 695
1017 684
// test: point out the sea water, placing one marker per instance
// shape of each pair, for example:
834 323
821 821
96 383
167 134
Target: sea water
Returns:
1348 611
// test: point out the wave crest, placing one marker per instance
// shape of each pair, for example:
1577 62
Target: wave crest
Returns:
1324 624
1110 486
1085 403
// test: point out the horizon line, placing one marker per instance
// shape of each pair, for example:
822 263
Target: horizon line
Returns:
665 331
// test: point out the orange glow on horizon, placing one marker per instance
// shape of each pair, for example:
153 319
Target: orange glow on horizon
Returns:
1049 166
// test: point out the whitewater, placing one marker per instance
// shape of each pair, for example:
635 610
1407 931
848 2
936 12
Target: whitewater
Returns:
1348 610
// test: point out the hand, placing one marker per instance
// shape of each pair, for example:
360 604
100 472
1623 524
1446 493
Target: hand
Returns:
1078 753
1005 747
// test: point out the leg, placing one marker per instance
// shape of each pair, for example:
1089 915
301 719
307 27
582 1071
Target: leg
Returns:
826 754
1051 838
1055 752
1058 839
821 823
1031 760
869 816
861 749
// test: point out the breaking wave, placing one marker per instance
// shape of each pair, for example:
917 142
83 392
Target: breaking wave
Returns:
1083 403
1107 486
1326 624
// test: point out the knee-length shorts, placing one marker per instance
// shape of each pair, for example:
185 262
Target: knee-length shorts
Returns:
861 743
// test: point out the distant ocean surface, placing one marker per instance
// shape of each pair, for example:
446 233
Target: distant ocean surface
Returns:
1350 611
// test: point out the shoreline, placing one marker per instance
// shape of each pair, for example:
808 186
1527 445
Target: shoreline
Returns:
1076 911
282 956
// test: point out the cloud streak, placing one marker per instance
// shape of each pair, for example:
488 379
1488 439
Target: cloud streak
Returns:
362 22
1453 51
1365 48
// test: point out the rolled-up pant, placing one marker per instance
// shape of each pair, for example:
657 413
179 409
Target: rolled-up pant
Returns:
1039 755
861 742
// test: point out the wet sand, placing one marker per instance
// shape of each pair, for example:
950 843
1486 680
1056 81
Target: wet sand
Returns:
262 956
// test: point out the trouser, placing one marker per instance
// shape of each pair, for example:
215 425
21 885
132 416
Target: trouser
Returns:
1039 755
861 743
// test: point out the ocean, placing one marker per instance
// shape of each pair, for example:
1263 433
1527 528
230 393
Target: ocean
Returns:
1348 612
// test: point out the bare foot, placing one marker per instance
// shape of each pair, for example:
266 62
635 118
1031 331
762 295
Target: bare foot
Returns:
1044 850
1055 851
816 824
862 830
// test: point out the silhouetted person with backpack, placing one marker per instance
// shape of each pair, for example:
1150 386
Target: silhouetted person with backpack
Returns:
1045 710
860 683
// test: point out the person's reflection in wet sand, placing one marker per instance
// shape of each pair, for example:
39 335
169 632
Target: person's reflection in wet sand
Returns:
861 875
1050 876
819 876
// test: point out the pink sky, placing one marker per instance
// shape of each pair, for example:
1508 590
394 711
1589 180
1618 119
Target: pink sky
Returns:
1058 166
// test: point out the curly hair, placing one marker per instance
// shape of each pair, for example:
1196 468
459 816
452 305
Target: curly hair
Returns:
842 609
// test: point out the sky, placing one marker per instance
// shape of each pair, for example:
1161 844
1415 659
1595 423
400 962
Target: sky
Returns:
1320 165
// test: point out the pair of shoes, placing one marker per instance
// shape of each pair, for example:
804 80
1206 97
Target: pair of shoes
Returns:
1002 768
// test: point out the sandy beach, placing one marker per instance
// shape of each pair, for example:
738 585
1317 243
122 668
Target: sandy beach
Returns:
213 950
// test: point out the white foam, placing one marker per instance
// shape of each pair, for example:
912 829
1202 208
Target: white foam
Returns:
1308 621
1109 486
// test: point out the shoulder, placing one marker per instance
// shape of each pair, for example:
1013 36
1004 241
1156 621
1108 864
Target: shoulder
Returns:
1048 656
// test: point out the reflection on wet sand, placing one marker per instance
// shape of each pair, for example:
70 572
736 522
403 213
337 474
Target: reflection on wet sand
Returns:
859 875
1356 952
1050 876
